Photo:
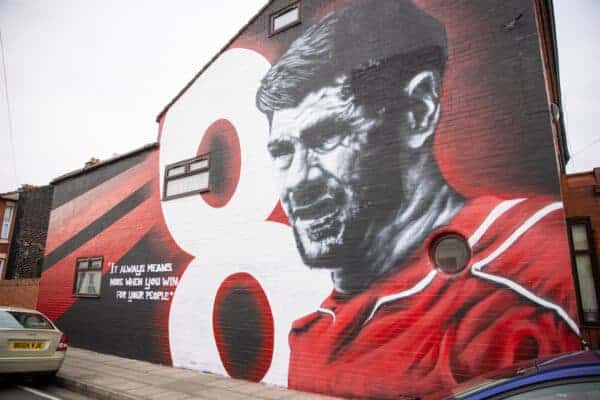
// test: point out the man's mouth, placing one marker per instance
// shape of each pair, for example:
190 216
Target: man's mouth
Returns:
324 228
320 220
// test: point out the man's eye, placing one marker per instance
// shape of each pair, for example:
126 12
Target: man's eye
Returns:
282 153
281 149
328 142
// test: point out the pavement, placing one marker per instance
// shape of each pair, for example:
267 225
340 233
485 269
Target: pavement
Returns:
108 377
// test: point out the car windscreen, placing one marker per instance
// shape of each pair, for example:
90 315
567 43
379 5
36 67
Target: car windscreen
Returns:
23 320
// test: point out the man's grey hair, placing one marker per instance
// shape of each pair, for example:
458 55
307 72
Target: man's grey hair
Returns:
371 49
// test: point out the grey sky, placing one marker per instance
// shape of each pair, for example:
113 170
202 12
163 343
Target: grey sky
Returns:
578 37
87 77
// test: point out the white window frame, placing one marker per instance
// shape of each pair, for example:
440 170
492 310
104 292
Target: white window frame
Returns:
7 225
279 13
184 169
77 290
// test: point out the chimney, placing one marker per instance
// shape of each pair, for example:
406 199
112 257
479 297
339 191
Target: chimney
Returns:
27 186
91 162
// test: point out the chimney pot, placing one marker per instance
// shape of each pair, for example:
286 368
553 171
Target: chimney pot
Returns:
91 162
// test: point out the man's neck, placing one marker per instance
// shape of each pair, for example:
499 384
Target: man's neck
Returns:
431 207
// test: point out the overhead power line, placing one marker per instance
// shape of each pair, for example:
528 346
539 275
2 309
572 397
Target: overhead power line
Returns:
588 145
10 125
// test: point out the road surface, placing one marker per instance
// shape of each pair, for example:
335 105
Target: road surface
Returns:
23 388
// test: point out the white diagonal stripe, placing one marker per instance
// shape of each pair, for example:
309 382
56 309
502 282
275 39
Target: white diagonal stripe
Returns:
420 286
492 216
514 286
327 311
517 234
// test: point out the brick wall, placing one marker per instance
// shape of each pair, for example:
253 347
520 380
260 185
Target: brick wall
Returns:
370 173
581 194
19 292
29 236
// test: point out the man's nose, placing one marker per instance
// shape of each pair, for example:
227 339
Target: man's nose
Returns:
304 180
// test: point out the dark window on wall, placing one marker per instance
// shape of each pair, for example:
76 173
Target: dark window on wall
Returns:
186 177
88 277
584 262
284 18
451 253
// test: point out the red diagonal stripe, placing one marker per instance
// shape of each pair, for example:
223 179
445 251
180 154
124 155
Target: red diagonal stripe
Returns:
73 216
56 285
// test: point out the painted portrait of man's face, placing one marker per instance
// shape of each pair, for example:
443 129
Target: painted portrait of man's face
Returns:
350 141
316 151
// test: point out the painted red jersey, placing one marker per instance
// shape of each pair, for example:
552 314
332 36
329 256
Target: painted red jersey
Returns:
419 330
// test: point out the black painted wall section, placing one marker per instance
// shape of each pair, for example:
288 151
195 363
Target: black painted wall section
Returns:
31 227
103 325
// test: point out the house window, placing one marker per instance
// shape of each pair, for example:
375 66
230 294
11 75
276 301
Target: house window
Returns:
7 221
2 262
88 277
284 18
585 268
186 177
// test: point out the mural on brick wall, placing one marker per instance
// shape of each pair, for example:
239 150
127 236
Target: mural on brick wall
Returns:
111 215
383 216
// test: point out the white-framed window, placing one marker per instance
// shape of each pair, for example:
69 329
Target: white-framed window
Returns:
2 266
186 177
88 277
7 221
285 18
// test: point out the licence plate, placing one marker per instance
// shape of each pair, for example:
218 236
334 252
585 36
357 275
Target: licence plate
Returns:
31 345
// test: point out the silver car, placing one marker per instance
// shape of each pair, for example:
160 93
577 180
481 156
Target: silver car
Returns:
29 342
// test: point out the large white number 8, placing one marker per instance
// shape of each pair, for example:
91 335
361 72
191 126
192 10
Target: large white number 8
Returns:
234 238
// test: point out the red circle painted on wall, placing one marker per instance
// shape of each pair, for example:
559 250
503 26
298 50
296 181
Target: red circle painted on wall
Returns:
221 141
243 327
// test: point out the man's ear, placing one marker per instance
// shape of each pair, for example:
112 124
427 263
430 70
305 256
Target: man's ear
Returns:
424 113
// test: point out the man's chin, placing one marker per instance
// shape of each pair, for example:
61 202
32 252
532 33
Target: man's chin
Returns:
319 255
319 261
321 245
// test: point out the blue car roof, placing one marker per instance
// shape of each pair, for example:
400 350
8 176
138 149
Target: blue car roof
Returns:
562 366
567 360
